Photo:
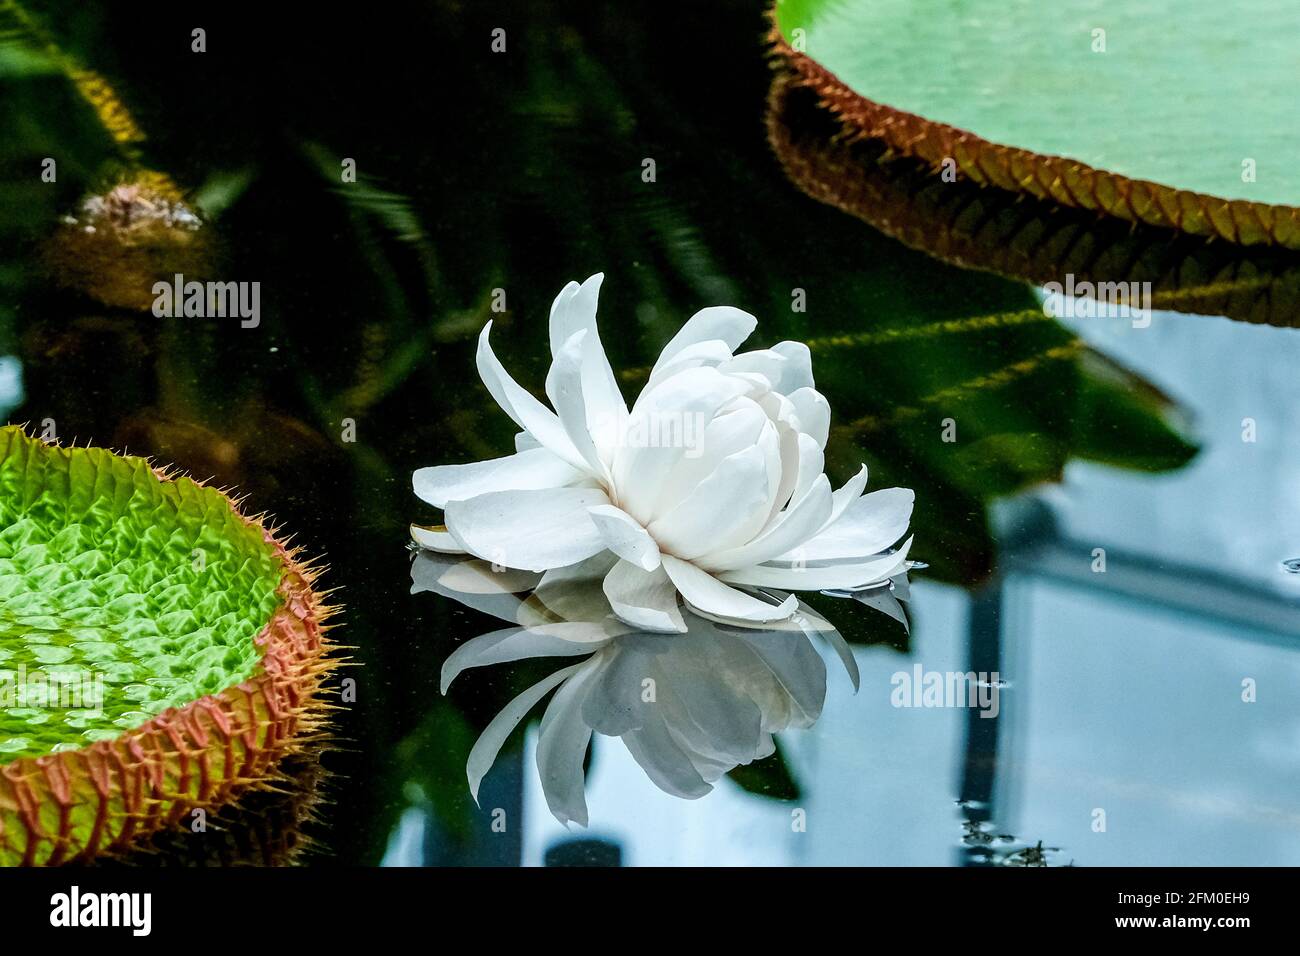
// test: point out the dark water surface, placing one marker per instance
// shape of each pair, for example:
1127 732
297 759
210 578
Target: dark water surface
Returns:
1124 733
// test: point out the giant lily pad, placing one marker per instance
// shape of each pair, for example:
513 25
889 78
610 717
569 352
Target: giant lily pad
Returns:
159 651
1160 111
1017 236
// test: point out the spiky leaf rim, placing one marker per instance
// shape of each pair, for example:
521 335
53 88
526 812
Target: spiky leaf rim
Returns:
69 806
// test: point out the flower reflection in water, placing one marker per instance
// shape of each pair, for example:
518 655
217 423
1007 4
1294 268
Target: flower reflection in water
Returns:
690 706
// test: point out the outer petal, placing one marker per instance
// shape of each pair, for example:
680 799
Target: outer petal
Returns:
846 576
798 369
813 412
846 494
530 530
571 312
707 594
722 322
537 468
644 599
564 387
517 402
812 465
574 310
625 537
436 538
868 525
485 750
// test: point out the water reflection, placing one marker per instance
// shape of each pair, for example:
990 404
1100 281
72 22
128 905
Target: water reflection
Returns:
689 707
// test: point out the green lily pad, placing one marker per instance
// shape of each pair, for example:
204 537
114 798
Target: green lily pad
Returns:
158 650
1018 236
1167 112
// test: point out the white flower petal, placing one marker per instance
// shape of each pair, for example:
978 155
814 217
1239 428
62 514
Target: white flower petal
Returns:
795 525
846 576
564 387
813 412
711 596
787 473
517 402
436 538
562 746
712 353
565 318
764 362
574 310
536 468
797 369
812 464
625 537
721 322
642 466
644 599
562 639
530 530
484 753
777 444
846 494
786 367
737 426
867 526
723 510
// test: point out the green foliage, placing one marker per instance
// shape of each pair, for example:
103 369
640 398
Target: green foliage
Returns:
1165 91
108 573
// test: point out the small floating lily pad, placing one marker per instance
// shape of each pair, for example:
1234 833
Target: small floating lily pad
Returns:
159 651
1169 112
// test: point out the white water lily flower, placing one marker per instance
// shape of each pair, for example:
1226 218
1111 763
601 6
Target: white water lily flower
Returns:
720 692
711 486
